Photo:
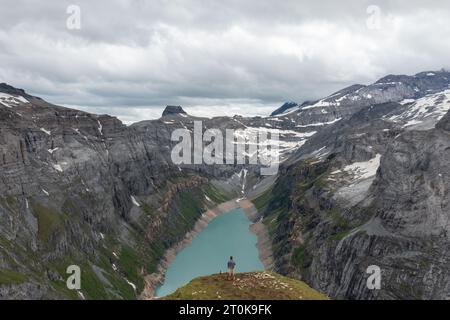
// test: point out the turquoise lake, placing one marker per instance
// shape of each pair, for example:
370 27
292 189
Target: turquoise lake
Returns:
226 235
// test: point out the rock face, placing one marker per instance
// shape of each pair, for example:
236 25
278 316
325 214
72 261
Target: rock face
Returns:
84 189
5 88
363 180
173 110
344 103
444 124
371 189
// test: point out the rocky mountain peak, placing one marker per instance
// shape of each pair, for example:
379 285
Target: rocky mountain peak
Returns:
173 110
6 88
286 106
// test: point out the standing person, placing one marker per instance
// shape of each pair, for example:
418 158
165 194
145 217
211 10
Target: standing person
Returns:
231 264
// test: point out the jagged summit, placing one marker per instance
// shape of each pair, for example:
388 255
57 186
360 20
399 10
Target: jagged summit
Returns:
286 106
6 88
173 110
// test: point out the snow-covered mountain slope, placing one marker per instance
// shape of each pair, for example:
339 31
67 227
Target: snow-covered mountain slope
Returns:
10 101
369 189
423 113
346 102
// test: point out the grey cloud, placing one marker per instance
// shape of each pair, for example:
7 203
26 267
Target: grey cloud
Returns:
132 55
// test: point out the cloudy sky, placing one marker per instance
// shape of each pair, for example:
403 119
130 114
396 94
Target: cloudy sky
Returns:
130 58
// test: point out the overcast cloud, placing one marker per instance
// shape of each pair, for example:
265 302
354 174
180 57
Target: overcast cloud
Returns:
131 58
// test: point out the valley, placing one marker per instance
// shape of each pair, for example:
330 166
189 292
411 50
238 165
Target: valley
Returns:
363 179
226 235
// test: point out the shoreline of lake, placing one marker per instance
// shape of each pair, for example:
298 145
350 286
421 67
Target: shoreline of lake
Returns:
264 246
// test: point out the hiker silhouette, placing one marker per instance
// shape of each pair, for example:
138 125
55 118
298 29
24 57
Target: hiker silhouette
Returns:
231 264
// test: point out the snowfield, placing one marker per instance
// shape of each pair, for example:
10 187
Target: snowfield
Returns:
364 170
353 188
423 113
288 142
318 124
11 101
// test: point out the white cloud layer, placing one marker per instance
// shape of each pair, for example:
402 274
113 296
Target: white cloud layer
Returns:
130 58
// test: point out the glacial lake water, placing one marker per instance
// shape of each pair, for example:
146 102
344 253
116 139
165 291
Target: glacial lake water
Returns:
226 235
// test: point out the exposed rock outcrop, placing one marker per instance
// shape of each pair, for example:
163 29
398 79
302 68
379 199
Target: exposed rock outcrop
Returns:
372 189
365 181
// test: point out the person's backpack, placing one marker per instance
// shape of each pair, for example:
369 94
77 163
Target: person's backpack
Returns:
231 264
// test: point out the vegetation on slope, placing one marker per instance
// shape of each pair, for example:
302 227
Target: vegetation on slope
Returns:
247 286
116 269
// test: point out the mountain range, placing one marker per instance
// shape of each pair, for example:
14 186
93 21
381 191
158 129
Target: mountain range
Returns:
363 180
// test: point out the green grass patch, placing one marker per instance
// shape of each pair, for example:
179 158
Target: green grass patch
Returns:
9 203
338 219
129 262
412 292
49 220
149 211
263 200
11 277
340 235
301 257
215 194
91 286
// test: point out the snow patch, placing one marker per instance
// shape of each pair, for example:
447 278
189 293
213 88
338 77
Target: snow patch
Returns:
135 202
57 167
406 101
131 284
243 175
81 295
412 123
364 170
321 103
46 131
100 127
425 112
78 131
317 124
289 140
11 101
274 119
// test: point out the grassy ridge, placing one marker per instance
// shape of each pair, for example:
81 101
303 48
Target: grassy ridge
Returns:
247 286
